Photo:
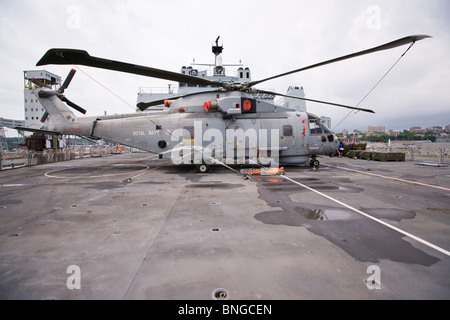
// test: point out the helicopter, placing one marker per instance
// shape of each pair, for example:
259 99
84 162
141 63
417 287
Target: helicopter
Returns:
225 123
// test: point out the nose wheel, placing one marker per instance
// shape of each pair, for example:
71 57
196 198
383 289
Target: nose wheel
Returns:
313 162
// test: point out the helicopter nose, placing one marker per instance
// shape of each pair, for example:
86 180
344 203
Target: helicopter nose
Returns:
333 144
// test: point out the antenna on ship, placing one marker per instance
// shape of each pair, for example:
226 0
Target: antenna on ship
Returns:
217 49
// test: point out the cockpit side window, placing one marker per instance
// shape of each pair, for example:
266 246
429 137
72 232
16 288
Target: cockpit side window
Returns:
314 126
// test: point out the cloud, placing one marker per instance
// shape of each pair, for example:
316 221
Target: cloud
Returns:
270 37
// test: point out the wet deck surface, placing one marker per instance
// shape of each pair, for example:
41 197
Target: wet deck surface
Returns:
141 228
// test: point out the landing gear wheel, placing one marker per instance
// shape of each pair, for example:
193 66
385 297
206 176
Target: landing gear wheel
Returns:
202 168
314 163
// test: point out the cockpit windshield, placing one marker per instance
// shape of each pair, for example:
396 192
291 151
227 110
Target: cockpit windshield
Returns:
318 127
314 127
324 127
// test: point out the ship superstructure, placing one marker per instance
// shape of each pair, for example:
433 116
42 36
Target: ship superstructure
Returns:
215 72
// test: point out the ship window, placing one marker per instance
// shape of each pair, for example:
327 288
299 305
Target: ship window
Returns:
287 131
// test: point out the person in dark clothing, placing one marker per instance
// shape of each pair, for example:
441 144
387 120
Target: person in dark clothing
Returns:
340 149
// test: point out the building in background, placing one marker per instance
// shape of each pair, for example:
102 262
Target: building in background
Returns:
34 111
375 129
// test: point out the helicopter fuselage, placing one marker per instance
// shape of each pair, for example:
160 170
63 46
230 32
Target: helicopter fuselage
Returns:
225 127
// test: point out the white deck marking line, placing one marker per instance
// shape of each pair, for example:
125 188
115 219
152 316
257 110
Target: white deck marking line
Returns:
372 218
392 178
223 164
49 174
145 171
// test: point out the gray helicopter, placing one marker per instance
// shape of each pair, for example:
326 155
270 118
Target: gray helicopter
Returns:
224 124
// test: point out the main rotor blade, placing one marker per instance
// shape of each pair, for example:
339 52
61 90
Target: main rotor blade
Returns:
67 81
81 57
390 45
144 105
317 101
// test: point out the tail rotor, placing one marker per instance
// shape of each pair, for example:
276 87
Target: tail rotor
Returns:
60 91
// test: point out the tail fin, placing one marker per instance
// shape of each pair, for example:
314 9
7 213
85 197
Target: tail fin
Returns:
60 116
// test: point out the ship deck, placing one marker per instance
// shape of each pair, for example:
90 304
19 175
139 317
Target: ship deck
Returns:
141 228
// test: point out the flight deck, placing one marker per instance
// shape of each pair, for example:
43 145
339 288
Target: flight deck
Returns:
131 226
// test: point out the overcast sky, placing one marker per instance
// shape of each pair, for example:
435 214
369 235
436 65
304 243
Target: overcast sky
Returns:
270 37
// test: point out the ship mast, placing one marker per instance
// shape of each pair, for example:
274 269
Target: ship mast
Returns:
217 49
